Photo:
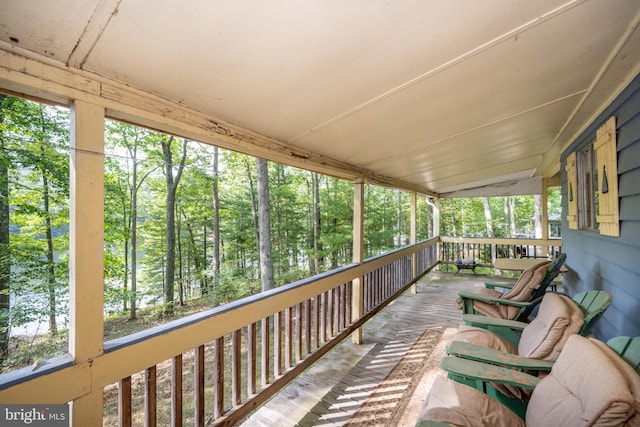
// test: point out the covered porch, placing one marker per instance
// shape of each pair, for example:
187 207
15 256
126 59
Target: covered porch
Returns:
440 100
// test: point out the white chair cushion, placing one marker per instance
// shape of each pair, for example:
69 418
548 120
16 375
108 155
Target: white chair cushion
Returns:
460 405
558 318
585 388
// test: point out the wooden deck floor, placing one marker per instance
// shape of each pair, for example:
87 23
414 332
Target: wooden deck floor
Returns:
383 381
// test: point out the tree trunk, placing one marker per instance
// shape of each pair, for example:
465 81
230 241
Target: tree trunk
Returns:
216 226
181 295
429 218
254 203
488 219
125 274
133 229
506 217
172 186
537 202
317 225
452 211
5 254
51 270
198 264
264 225
512 215
399 220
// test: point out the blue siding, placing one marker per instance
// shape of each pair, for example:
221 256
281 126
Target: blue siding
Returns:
611 263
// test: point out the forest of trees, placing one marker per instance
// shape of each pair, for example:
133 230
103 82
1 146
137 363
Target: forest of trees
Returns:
185 222
500 217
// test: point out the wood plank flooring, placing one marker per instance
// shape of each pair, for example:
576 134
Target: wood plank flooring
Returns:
331 392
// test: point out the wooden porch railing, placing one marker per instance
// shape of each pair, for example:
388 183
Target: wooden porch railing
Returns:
217 366
485 250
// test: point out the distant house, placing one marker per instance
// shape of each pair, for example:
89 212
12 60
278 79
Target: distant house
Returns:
555 226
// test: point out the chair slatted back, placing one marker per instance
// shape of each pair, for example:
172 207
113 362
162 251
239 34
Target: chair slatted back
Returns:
593 304
552 272
628 348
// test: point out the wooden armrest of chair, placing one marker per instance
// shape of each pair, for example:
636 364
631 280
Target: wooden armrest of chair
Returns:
496 300
480 321
490 285
430 423
471 371
484 354
510 330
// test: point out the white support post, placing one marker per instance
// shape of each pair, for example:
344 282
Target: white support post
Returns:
436 222
357 299
436 217
413 238
545 215
86 253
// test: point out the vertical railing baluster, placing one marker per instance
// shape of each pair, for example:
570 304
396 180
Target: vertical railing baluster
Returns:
124 402
176 391
251 359
345 290
347 305
307 326
323 317
379 289
198 378
340 312
316 316
365 293
288 337
349 302
277 344
265 351
385 282
150 402
218 378
387 279
236 367
299 337
371 280
330 302
336 310
374 277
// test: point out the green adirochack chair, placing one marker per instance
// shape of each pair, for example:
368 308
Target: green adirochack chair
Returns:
592 303
532 347
609 394
521 298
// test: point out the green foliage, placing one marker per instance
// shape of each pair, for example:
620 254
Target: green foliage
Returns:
232 287
35 151
465 217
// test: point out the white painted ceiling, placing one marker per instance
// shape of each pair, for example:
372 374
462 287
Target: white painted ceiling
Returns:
442 95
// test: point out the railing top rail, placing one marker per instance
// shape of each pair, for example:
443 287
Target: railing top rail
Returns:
502 241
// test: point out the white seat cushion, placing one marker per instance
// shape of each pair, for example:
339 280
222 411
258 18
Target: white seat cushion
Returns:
585 388
460 405
558 318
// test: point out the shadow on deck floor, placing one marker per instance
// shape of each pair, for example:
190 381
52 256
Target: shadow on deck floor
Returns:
384 381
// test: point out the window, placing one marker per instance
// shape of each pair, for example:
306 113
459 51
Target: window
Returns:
592 184
587 189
